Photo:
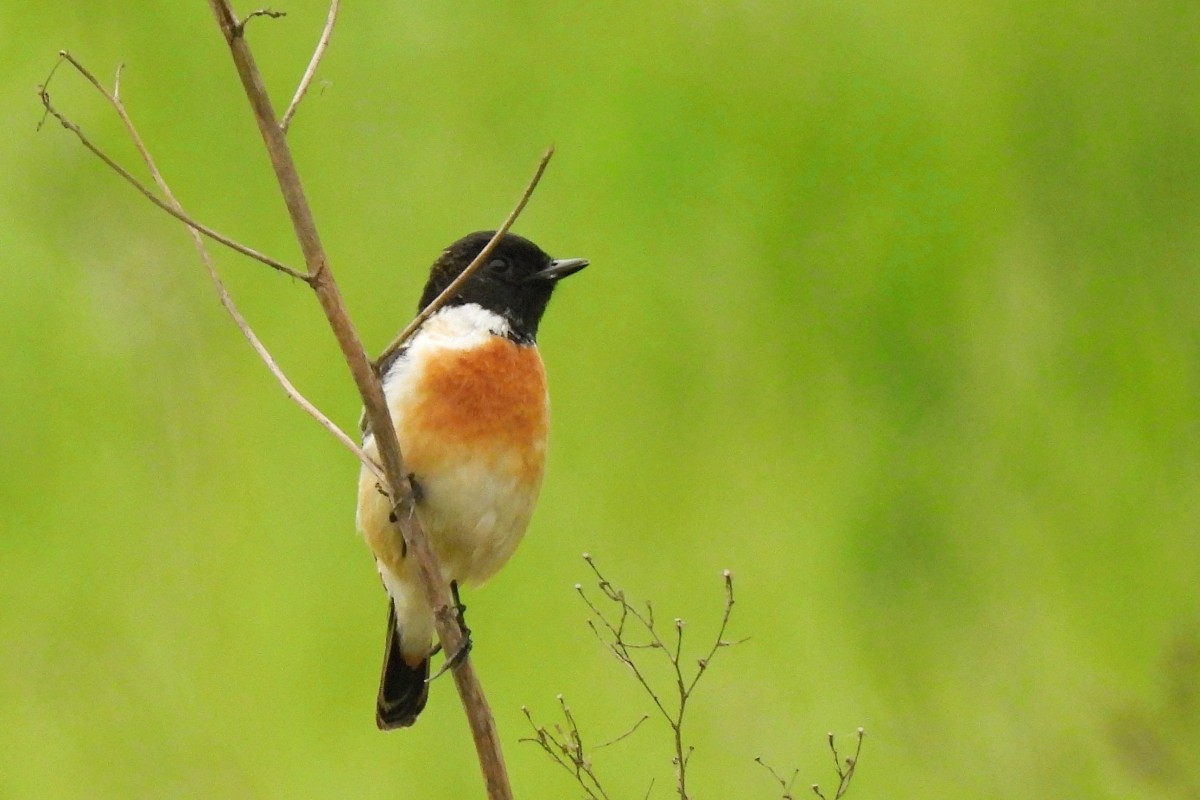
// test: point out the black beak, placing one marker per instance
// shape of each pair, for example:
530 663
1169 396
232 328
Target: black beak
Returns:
559 269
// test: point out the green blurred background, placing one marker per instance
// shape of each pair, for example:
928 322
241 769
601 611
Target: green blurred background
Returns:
893 312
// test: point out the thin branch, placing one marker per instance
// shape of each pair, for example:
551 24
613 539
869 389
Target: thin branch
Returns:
626 734
845 768
116 92
319 277
262 12
150 195
615 636
566 748
311 72
719 642
366 379
617 645
288 388
785 784
226 300
478 262
62 54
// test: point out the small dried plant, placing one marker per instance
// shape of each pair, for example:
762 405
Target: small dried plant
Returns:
843 766
645 646
565 746
630 632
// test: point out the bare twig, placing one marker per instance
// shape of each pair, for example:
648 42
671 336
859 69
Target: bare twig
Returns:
626 734
719 641
397 485
613 629
474 266
116 92
322 43
785 784
845 768
226 300
262 12
628 630
394 482
41 89
150 195
616 633
566 748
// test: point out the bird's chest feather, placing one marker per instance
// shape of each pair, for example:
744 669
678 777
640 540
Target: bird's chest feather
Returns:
472 423
486 402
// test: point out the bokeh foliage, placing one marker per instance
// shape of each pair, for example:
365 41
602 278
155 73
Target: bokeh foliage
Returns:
893 312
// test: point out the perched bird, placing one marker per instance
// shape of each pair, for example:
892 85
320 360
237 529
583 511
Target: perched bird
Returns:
467 394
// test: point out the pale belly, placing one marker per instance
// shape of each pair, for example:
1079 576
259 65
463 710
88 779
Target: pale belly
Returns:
473 433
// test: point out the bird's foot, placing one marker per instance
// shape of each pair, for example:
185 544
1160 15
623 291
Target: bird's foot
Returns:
460 614
453 661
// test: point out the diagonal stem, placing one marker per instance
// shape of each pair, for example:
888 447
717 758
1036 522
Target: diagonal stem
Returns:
483 727
156 200
311 71
114 99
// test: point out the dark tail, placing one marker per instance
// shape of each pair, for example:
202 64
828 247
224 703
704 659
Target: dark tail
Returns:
403 690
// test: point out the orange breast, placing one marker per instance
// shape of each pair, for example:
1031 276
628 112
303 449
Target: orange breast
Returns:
491 398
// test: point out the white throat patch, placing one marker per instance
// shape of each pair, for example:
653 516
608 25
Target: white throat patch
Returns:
463 326
460 327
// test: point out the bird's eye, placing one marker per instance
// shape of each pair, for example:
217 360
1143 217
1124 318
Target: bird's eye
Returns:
499 265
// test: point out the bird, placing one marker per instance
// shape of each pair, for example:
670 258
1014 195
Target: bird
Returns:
467 396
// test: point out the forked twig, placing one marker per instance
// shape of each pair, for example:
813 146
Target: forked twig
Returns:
447 622
785 784
114 99
628 631
845 771
150 195
845 768
565 747
319 277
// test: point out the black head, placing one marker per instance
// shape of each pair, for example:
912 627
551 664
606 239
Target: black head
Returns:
516 281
